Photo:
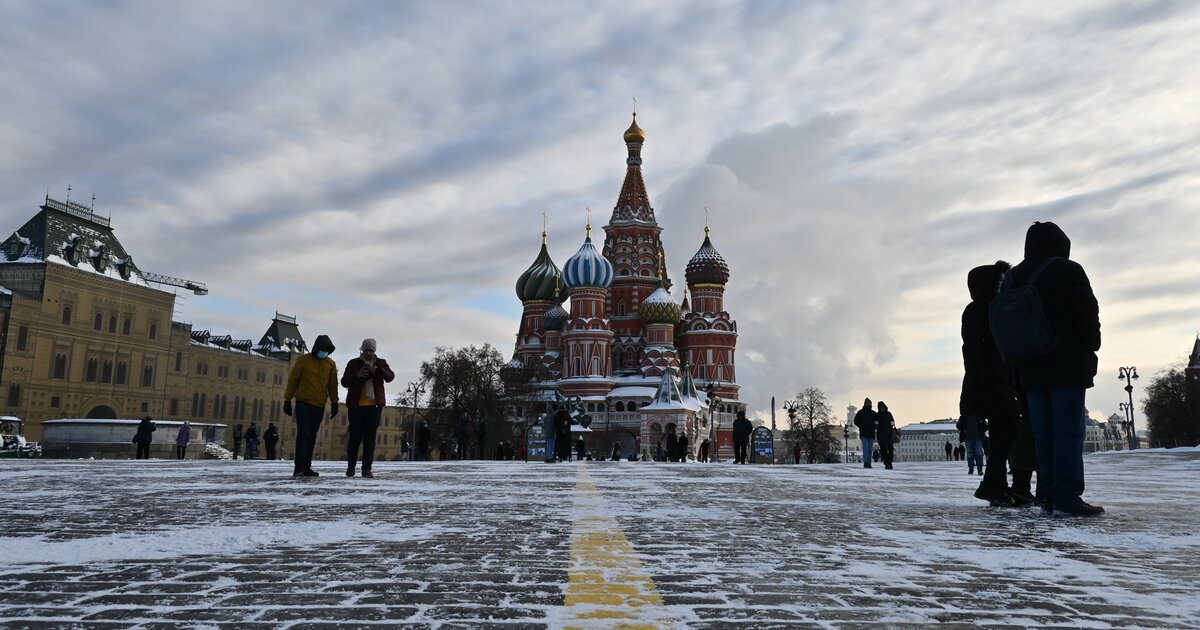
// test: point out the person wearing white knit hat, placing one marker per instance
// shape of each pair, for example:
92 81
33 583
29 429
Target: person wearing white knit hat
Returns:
363 379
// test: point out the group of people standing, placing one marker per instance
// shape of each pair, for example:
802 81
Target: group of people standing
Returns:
877 428
1031 405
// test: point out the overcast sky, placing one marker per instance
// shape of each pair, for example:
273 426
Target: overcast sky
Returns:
381 168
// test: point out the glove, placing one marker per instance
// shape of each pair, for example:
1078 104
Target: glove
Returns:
333 409
287 407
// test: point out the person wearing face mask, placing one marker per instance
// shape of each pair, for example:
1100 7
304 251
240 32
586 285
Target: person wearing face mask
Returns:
312 382
363 379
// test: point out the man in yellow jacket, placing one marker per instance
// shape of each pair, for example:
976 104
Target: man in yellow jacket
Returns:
312 382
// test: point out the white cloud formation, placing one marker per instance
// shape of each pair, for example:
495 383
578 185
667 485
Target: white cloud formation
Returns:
380 169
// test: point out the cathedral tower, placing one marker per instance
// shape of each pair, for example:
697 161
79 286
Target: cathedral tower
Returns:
587 335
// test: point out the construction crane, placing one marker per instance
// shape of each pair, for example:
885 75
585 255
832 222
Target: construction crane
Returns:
195 287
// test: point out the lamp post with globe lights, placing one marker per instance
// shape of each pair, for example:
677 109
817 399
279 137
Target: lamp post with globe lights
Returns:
713 404
1129 374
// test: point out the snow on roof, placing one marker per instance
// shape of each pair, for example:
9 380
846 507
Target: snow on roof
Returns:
937 427
630 391
109 272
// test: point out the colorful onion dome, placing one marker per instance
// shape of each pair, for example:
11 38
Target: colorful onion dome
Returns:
707 266
555 318
587 268
659 307
634 133
540 279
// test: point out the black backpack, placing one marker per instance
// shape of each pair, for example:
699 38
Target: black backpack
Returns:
1018 320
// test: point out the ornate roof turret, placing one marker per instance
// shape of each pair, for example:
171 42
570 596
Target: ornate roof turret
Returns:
659 307
634 133
587 268
515 372
540 279
633 203
557 316
707 266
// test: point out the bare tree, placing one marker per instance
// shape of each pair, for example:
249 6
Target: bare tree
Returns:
810 423
464 383
1172 422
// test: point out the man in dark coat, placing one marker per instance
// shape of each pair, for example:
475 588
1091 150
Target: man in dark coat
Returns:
364 379
270 439
237 440
672 443
885 425
423 439
949 450
865 421
562 435
1055 383
742 428
144 436
682 452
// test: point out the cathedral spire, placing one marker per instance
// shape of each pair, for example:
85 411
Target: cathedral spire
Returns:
633 204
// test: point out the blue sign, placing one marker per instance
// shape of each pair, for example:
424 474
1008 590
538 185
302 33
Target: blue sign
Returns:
762 443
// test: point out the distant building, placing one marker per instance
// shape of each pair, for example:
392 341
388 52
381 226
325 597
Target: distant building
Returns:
926 441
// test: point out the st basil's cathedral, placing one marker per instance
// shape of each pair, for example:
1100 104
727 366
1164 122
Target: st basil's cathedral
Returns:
641 362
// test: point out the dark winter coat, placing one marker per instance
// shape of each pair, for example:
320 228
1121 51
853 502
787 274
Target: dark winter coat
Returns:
970 427
145 432
237 433
1071 310
989 385
681 452
184 436
271 436
865 421
742 428
672 446
354 383
252 434
884 425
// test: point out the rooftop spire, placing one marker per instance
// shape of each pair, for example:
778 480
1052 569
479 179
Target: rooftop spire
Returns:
589 222
633 204
543 228
706 230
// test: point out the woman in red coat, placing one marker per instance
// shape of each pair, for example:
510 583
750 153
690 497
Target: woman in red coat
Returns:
363 379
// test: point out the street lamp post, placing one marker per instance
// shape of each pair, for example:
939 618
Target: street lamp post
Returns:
846 440
414 395
713 402
1130 374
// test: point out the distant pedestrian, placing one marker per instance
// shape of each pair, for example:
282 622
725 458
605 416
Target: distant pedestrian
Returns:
312 382
252 440
270 439
705 447
797 451
182 438
865 421
885 433
972 427
562 437
1055 383
672 443
461 438
682 453
949 451
658 451
548 420
580 448
364 378
616 452
144 437
742 428
237 440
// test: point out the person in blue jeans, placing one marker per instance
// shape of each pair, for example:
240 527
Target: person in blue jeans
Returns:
865 421
1055 383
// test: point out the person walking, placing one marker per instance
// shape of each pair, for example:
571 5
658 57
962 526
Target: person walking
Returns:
949 451
705 447
144 436
885 434
270 439
865 421
990 395
252 440
742 428
548 422
312 382
616 452
682 453
1056 382
364 378
672 443
423 441
972 428
562 436
181 440
580 448
237 440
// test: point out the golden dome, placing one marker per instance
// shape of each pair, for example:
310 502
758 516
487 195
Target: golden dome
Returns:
635 133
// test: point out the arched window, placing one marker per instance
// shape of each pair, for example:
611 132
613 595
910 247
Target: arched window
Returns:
93 367
127 327
600 407
591 407
196 404
199 410
66 318
621 308
242 413
632 407
174 407
122 372
148 376
22 337
595 365
112 324
106 372
14 395
620 406
237 402
60 366
154 333
98 323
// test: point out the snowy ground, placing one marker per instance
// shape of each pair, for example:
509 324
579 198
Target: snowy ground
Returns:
165 543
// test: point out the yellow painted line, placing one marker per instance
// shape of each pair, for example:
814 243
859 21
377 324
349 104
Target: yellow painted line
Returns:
609 587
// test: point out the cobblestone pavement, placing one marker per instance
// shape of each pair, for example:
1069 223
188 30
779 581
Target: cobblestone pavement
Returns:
164 544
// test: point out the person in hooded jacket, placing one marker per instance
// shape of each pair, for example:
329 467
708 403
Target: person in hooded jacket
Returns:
672 443
312 382
885 427
252 440
182 438
682 452
1055 383
742 429
363 379
270 439
865 421
990 392
144 436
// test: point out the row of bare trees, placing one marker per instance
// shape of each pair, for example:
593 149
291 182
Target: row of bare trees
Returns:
810 423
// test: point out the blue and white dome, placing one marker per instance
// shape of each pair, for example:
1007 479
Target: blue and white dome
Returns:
587 268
